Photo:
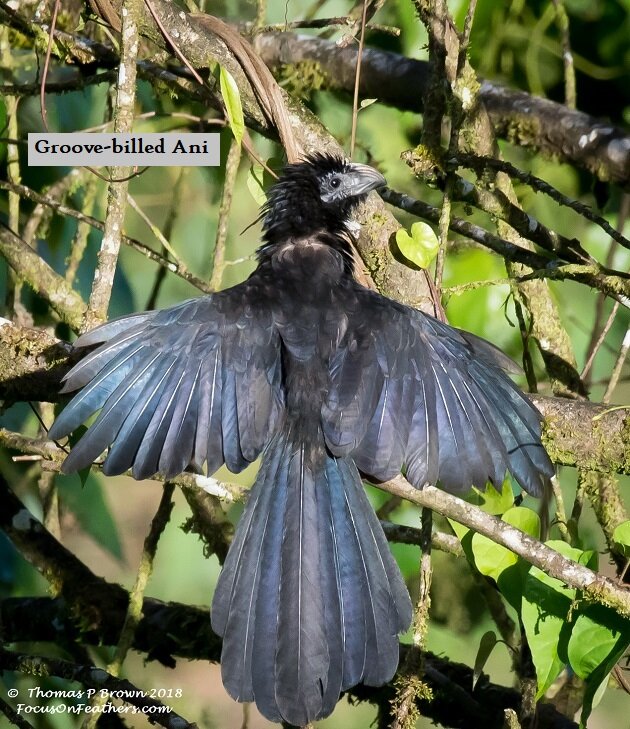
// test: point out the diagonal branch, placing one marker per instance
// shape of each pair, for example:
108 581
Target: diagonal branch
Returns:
42 278
595 587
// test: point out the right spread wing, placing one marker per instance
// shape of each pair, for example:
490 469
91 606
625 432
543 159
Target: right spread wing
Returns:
410 392
200 381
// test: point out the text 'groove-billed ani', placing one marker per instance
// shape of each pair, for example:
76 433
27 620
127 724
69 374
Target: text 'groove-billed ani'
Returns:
324 378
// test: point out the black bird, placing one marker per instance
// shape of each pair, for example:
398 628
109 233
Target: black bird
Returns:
325 379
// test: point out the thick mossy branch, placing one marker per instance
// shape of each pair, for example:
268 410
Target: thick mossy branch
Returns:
32 269
32 363
529 121
587 435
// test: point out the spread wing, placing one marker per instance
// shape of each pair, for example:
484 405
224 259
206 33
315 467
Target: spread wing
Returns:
408 391
196 382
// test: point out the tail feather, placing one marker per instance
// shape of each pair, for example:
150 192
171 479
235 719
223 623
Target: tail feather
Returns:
253 554
351 586
310 600
302 657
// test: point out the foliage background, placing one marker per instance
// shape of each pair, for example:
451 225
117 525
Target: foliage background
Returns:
104 522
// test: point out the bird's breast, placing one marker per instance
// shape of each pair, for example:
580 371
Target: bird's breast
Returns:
308 262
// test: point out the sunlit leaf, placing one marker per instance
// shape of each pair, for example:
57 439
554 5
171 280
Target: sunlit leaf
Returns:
492 501
598 634
546 612
232 100
419 248
598 640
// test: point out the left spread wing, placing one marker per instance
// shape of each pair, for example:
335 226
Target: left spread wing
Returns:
196 382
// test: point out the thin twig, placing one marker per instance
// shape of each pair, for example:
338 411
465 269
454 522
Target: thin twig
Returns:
80 240
42 93
78 83
621 359
173 212
561 516
600 340
136 595
357 78
99 225
231 170
475 162
562 19
596 341
123 114
410 686
163 240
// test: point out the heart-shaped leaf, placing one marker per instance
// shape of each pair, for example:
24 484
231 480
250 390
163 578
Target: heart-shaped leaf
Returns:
419 248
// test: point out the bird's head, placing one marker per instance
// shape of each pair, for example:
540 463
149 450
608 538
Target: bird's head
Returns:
316 195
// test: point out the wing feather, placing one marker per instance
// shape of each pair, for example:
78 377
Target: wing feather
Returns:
197 382
429 398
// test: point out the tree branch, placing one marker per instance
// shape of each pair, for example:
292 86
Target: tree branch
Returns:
594 586
96 679
42 278
526 120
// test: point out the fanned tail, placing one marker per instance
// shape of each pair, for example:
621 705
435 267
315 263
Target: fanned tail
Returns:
310 600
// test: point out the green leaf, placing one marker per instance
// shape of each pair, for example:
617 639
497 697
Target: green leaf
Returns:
419 248
621 537
232 100
545 612
495 561
492 501
91 511
255 184
367 102
491 559
598 634
524 519
598 640
486 646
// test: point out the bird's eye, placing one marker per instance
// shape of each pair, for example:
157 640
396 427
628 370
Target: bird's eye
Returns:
335 182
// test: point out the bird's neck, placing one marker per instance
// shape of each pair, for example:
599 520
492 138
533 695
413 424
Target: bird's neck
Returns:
339 241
